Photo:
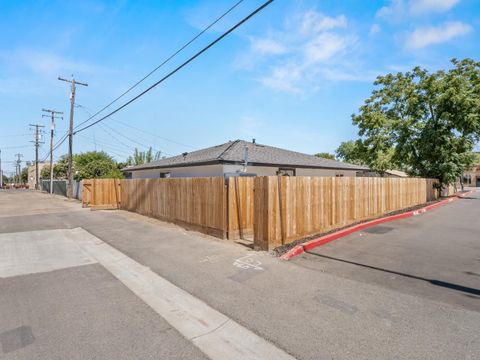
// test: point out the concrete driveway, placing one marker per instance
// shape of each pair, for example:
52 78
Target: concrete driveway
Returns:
309 308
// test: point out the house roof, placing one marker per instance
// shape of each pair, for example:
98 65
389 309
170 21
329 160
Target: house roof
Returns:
397 173
233 152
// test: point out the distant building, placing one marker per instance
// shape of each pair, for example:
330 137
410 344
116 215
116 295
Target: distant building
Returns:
236 158
472 177
31 173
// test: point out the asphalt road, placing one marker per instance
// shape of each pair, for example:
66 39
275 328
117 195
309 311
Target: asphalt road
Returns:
435 255
312 307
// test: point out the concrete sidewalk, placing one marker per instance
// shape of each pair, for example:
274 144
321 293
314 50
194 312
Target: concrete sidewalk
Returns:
301 308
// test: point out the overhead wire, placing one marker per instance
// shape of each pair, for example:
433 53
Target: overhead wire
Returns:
134 141
154 135
183 47
178 68
118 152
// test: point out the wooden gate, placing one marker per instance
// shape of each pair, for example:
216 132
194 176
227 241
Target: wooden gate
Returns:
101 193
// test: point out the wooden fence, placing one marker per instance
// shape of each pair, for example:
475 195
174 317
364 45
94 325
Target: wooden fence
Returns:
240 207
101 193
196 203
290 208
272 210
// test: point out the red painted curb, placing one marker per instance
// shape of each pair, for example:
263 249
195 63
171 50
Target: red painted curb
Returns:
309 245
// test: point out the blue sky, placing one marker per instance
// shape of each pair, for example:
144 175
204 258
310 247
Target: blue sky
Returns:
291 77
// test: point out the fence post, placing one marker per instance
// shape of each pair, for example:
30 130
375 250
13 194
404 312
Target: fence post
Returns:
260 213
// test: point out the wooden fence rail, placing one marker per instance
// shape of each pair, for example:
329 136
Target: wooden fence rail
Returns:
240 207
271 210
291 208
196 203
101 193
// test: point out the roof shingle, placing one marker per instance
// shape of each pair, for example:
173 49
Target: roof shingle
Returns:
234 152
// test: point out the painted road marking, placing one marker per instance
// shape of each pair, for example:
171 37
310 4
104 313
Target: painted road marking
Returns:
215 334
247 262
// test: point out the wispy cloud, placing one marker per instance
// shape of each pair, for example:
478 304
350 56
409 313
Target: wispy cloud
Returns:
420 7
398 9
425 36
312 46
266 46
46 63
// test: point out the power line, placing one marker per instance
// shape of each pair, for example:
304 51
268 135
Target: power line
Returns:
16 147
101 146
12 135
57 145
252 14
154 135
103 143
115 138
163 63
134 141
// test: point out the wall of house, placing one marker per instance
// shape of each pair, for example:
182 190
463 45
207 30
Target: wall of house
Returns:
472 177
189 171
32 174
219 170
271 171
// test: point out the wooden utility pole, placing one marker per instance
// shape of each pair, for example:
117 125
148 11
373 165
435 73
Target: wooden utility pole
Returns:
37 143
52 132
18 167
73 83
1 173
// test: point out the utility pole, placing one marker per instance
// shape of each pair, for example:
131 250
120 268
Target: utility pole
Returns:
18 167
72 82
1 173
52 131
37 142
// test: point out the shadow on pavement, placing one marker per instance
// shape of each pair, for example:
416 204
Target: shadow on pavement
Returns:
440 283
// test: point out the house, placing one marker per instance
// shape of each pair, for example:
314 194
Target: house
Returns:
32 173
472 177
242 158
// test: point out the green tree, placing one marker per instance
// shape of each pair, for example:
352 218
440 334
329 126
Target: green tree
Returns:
59 171
351 152
88 165
425 123
325 155
95 164
143 157
24 175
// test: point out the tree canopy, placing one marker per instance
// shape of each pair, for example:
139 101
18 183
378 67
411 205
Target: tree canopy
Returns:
325 155
424 123
88 165
143 157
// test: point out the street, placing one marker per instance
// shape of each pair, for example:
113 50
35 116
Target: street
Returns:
81 284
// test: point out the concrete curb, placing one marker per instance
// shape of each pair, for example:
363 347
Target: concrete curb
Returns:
309 245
